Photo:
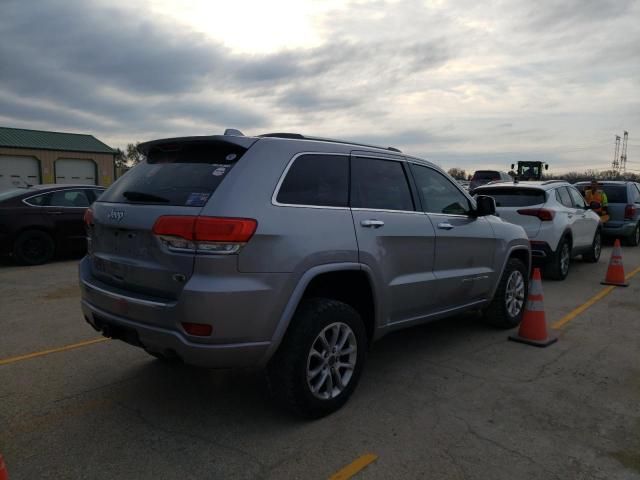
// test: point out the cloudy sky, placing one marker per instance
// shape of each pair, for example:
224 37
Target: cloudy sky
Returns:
464 83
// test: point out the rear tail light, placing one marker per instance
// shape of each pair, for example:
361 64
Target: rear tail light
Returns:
542 213
204 234
88 217
197 329
629 212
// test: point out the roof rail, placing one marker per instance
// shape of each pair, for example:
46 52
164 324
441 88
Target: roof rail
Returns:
297 136
547 182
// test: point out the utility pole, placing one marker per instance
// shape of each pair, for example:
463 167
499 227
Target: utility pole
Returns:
615 164
623 155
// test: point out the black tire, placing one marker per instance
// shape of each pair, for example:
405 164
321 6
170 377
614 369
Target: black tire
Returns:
498 314
287 370
555 270
33 247
634 239
593 256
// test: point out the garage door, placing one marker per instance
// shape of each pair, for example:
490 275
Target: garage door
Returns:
72 170
16 171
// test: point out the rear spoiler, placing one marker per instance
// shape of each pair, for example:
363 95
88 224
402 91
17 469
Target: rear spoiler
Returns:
244 142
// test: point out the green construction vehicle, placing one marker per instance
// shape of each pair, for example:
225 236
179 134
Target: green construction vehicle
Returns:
530 170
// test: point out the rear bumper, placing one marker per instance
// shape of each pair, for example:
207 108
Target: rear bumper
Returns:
541 252
619 229
242 311
172 343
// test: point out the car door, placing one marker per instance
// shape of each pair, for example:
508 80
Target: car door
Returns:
570 216
465 245
394 239
585 224
66 209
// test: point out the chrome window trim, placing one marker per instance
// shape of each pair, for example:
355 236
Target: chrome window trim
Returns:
384 210
26 200
360 154
274 196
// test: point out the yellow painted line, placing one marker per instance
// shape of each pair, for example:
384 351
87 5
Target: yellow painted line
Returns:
354 467
589 303
28 356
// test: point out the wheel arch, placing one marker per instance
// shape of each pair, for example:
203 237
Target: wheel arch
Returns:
331 281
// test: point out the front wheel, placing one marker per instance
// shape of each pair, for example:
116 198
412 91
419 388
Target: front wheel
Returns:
596 248
507 306
319 362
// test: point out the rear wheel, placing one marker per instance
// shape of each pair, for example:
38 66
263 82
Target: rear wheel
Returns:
507 306
33 247
558 269
319 362
634 239
596 248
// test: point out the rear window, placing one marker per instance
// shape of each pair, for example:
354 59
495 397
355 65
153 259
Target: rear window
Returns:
486 175
183 174
615 193
514 197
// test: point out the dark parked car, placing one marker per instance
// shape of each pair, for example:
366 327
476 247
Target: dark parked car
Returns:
42 221
624 209
482 177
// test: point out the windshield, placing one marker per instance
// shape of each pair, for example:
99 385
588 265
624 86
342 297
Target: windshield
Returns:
14 192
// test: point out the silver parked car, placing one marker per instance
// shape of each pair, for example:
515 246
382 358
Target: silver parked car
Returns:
292 253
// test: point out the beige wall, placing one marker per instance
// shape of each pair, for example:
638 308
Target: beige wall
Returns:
47 158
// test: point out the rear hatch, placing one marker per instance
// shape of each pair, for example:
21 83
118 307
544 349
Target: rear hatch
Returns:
617 198
509 200
177 178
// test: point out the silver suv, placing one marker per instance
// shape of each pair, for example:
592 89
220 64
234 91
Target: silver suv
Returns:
292 253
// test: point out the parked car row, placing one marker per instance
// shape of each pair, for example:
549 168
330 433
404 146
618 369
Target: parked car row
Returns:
559 223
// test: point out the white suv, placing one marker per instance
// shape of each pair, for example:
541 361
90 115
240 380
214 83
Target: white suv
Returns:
558 221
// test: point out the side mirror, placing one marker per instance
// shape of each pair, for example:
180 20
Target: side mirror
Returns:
512 166
546 166
486 206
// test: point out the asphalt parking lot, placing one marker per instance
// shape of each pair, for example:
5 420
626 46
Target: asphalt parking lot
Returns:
449 400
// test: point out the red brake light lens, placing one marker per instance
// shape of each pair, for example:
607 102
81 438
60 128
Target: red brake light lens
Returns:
175 226
542 213
629 212
88 217
231 230
205 234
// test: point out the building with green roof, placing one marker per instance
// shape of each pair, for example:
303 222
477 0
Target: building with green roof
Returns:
36 156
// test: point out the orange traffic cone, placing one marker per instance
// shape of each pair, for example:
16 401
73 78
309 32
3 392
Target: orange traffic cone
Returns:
533 328
4 475
615 272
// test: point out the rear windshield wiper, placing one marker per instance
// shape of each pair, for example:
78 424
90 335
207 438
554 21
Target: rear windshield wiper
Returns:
144 197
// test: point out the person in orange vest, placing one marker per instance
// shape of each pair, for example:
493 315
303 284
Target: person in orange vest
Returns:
598 201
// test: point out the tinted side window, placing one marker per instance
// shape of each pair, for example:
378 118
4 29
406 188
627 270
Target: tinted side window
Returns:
563 197
578 201
40 200
69 198
380 184
635 194
321 180
437 193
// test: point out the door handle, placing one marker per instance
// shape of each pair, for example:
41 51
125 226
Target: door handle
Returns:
372 223
445 226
